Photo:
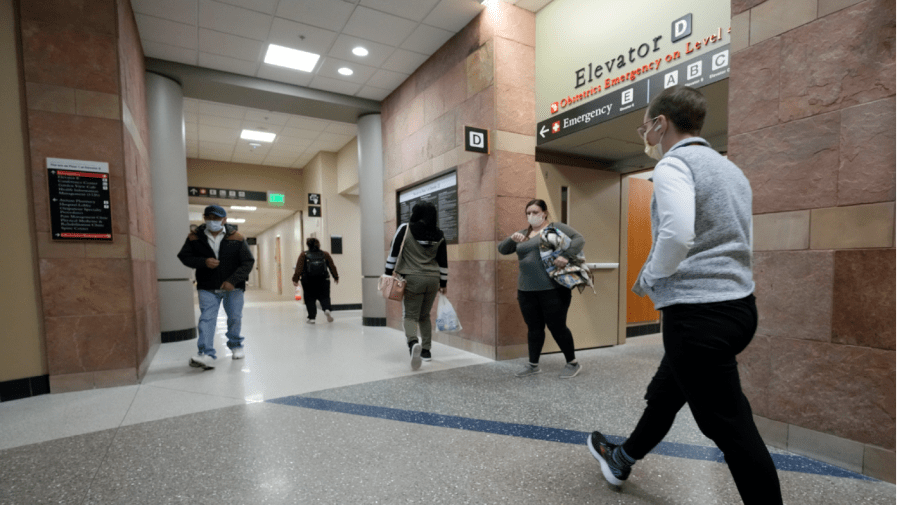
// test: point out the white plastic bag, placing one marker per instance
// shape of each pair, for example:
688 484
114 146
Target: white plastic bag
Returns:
447 319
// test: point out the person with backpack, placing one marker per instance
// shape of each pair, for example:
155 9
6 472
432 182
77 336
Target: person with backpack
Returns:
312 271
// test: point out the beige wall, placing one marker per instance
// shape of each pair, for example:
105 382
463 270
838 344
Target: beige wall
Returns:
290 232
20 310
348 168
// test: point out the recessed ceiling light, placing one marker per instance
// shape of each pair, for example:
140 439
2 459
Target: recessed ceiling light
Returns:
236 220
360 51
345 71
254 135
241 207
291 58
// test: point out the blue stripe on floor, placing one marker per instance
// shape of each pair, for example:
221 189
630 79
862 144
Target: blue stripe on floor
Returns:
786 462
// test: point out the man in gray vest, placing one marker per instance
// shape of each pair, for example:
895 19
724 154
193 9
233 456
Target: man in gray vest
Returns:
699 275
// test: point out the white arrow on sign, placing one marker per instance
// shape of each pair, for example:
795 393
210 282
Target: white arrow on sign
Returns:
543 131
192 191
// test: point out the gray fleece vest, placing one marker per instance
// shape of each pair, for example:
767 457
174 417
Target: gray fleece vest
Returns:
718 267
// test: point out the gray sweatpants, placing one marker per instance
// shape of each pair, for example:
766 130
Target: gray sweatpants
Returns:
420 293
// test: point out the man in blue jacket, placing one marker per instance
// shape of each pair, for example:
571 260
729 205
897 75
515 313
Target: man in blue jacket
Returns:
223 261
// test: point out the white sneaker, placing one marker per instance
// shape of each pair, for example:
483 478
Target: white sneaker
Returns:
310 321
203 361
327 314
237 353
415 351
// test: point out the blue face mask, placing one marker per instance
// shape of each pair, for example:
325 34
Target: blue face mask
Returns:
214 226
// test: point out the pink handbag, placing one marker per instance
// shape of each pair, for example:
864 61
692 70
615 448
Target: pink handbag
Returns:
393 287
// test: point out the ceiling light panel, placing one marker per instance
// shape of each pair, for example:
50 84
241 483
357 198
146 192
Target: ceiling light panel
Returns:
291 58
257 135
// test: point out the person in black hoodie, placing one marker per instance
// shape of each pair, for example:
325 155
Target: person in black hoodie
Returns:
223 262
312 271
425 266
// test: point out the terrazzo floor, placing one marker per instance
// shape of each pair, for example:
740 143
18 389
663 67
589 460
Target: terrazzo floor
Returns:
332 413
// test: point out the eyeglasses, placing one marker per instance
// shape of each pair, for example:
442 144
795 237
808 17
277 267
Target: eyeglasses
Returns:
643 128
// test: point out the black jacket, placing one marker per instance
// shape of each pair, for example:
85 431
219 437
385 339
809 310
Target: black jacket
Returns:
236 259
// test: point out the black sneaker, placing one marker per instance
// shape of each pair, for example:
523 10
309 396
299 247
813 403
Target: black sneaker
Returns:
425 354
602 450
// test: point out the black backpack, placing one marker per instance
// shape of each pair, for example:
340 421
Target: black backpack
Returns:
316 265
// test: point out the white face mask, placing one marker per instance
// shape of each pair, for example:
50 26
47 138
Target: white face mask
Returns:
214 226
654 151
536 219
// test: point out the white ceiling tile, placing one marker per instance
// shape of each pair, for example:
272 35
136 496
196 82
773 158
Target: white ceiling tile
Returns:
235 20
427 39
306 123
182 11
335 137
278 162
377 53
227 64
327 14
386 80
230 45
342 128
243 147
293 142
410 9
266 6
210 146
334 85
160 30
192 152
222 122
265 118
170 53
405 62
533 5
191 105
217 109
285 150
214 156
301 36
379 27
330 66
372 93
218 134
283 74
453 15
299 133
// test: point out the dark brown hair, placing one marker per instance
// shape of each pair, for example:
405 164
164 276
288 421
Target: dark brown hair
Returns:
539 203
683 106
313 244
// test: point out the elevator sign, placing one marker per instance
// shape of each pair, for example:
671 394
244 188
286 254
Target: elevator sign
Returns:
79 200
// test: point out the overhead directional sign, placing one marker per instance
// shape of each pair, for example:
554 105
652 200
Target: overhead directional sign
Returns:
711 67
231 194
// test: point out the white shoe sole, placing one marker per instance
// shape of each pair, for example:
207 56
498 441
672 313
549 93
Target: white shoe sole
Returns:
416 356
606 470
528 374
199 364
571 376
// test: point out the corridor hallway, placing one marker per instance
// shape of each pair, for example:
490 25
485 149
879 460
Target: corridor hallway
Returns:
332 413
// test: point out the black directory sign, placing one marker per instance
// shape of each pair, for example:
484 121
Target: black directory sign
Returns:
79 200
706 69
443 193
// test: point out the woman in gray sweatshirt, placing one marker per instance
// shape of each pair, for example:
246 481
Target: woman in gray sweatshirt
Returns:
543 301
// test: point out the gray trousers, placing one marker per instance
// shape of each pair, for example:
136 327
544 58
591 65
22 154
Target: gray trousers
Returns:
420 293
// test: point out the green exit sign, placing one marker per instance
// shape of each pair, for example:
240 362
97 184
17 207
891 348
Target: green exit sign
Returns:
275 199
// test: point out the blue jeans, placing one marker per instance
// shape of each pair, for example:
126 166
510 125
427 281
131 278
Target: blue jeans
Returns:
209 303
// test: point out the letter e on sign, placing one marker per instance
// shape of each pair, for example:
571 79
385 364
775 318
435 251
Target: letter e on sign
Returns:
477 140
681 28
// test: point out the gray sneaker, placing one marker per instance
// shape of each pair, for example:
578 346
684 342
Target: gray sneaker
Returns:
415 351
570 371
528 371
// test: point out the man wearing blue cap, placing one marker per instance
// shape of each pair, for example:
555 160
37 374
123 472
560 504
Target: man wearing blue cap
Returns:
223 262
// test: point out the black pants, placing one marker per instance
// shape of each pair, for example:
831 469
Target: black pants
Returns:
701 342
316 289
547 308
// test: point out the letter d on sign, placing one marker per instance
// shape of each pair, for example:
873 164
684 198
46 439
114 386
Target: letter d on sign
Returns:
477 140
681 28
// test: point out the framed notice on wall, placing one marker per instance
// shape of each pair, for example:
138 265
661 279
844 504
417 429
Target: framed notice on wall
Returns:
442 191
79 200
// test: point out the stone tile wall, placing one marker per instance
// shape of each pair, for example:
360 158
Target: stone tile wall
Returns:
83 72
482 77
812 125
